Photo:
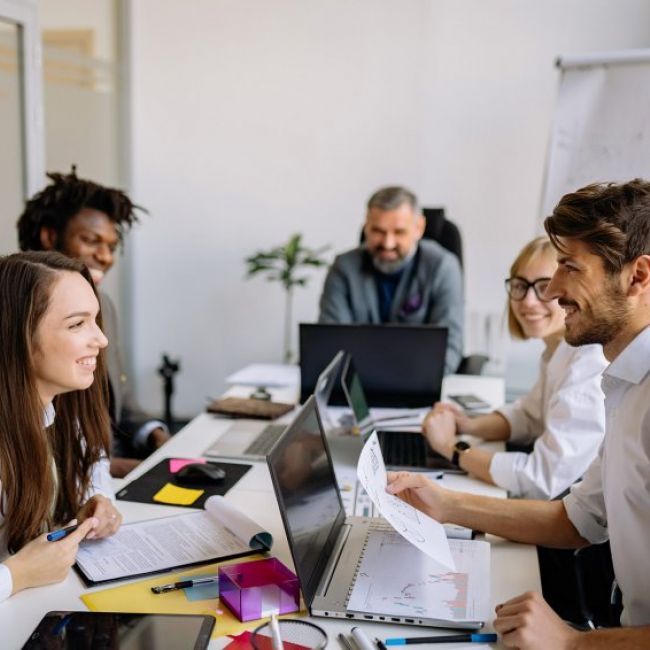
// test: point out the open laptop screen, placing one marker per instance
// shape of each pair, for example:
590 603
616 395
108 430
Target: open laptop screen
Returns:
399 365
308 497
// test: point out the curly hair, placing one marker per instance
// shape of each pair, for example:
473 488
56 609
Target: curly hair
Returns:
613 219
67 195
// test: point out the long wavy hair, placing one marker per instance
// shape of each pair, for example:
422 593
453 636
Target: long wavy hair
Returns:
79 436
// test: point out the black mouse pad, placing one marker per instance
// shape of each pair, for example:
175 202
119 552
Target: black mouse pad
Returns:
143 489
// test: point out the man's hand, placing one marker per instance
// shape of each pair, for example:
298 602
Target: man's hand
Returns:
528 623
41 562
102 509
120 467
419 491
439 428
157 438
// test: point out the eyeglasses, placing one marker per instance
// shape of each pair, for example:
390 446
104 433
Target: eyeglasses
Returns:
517 288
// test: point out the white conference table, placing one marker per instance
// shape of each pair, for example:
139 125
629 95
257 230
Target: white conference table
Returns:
514 566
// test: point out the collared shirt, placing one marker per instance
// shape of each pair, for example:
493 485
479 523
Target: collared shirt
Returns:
564 414
100 483
613 500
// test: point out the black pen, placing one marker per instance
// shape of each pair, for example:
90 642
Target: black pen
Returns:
380 644
183 584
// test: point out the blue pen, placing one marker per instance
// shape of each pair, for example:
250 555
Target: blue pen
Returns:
447 638
56 535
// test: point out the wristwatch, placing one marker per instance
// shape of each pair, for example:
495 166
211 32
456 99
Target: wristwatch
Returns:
461 447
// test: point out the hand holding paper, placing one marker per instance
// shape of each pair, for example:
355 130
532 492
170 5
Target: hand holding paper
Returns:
418 528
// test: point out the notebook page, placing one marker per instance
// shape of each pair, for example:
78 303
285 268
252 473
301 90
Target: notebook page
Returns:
396 579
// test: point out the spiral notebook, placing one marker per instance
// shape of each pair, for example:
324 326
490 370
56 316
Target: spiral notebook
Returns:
335 557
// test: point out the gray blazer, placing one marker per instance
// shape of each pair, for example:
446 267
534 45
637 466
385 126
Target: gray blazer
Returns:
431 291
127 417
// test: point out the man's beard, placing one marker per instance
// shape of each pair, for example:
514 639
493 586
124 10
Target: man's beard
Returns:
391 266
603 320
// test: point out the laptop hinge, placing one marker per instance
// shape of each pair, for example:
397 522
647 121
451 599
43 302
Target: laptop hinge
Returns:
328 573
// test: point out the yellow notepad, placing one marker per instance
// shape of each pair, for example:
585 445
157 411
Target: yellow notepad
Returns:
137 598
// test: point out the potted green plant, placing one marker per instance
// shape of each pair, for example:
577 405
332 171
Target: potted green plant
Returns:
284 264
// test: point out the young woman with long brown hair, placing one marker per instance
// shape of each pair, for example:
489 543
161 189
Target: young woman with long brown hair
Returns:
53 468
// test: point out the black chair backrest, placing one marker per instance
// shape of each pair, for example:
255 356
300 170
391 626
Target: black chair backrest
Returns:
445 232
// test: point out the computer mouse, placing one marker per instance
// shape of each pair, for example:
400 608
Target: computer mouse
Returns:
200 474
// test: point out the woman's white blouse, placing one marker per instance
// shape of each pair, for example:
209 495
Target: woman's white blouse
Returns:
564 414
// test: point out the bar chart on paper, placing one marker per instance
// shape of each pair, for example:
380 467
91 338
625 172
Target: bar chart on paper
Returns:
418 589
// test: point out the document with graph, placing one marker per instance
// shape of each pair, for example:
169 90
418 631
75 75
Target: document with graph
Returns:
396 579
419 529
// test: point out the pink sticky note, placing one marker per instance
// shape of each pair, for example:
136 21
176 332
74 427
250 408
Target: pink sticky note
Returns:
176 463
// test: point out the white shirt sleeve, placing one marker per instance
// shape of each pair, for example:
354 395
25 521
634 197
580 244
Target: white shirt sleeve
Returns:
6 582
571 431
100 480
141 437
585 505
525 415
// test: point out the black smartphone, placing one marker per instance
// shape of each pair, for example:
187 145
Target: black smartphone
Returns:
471 402
115 631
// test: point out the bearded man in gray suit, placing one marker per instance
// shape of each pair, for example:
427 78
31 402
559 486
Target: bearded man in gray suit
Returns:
395 276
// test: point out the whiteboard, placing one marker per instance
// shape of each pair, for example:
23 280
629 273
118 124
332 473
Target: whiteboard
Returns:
601 127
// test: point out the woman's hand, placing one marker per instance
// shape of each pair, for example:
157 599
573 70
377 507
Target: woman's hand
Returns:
420 492
439 428
464 424
40 562
108 517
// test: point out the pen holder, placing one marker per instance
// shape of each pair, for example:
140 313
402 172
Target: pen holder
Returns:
253 590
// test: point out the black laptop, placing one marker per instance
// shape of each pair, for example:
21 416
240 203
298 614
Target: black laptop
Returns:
400 365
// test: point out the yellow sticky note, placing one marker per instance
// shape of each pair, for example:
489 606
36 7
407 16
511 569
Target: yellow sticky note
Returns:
177 496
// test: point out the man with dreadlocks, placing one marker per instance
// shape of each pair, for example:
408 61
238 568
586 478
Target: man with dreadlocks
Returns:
87 221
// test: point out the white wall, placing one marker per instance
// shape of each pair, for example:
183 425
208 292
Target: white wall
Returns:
253 119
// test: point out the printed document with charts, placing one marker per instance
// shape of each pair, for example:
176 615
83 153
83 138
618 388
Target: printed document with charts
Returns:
442 579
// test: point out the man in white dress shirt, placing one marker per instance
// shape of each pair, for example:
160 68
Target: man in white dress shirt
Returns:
602 235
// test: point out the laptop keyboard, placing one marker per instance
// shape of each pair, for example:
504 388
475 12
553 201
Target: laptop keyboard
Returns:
263 444
407 449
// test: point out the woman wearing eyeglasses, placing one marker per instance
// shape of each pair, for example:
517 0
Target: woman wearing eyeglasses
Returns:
563 414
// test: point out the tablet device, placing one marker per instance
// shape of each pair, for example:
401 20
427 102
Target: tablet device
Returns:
115 631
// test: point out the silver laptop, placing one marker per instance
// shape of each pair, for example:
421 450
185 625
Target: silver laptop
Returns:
251 440
327 548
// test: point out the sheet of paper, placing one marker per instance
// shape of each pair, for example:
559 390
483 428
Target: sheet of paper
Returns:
395 579
178 463
177 496
269 375
158 544
421 530
241 525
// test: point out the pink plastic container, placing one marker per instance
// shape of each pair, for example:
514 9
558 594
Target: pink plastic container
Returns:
253 590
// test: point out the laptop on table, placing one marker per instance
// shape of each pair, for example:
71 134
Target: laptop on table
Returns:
252 441
401 449
328 549
401 365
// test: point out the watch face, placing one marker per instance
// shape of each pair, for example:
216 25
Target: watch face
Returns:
461 445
